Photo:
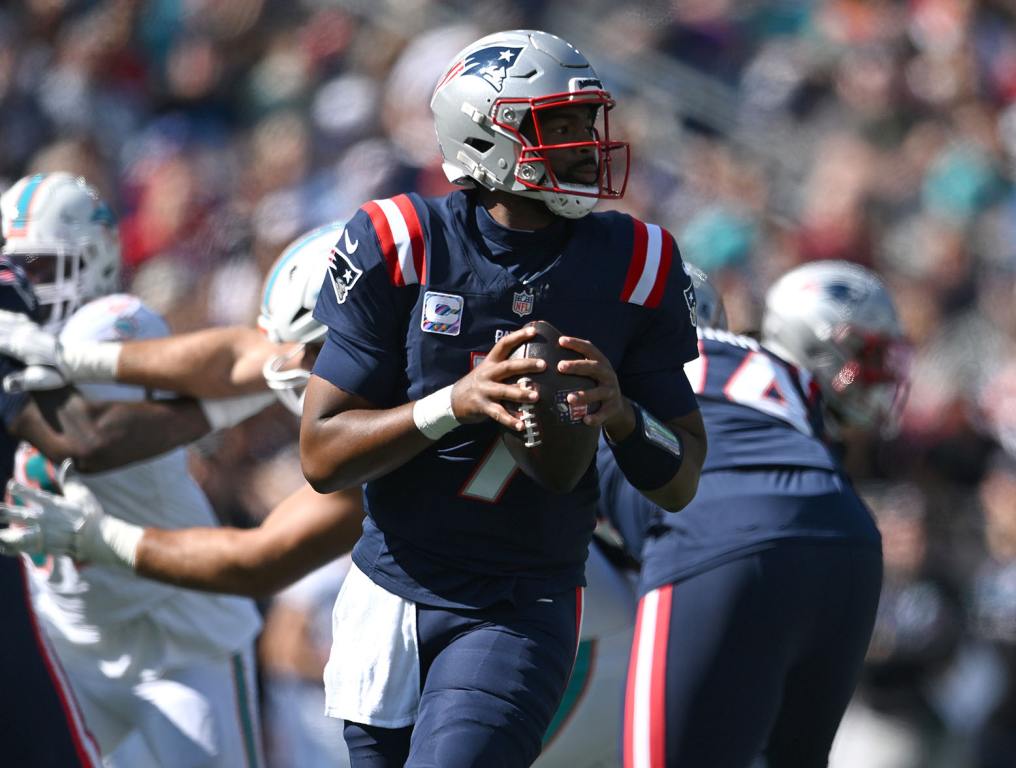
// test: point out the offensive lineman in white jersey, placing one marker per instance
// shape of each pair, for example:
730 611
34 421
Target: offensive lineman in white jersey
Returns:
164 675
307 529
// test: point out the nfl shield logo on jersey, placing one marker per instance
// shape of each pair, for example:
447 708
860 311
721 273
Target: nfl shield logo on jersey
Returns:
522 303
343 273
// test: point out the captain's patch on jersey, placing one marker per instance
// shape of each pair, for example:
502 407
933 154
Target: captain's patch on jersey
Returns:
442 313
344 274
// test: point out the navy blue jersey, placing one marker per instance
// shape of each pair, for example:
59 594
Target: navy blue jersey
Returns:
418 291
16 295
768 475
758 409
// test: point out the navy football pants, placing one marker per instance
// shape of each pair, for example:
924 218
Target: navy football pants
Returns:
40 724
757 656
492 680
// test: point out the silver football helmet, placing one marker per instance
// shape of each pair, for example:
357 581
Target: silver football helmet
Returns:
837 320
287 308
501 87
709 309
65 237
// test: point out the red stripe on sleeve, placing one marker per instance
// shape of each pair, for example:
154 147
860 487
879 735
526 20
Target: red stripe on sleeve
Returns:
415 235
638 260
384 236
658 686
666 256
628 747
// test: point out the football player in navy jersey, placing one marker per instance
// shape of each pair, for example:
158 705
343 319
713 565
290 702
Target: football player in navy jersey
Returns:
40 722
757 601
467 579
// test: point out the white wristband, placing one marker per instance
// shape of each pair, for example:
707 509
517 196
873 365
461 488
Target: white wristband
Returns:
433 414
89 362
227 412
111 542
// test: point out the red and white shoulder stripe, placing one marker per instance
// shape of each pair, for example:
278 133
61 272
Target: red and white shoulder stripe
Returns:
651 256
400 233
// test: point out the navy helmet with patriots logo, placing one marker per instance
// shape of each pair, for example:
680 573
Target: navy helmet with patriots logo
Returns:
490 91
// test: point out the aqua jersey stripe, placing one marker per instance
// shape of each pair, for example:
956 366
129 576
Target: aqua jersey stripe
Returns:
578 683
25 200
250 740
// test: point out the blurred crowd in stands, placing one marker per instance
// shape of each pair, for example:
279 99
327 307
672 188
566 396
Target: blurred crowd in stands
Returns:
765 133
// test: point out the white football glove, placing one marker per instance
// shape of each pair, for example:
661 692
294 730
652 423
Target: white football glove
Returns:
33 379
24 340
49 364
73 524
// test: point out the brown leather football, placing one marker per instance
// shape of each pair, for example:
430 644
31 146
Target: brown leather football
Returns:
556 448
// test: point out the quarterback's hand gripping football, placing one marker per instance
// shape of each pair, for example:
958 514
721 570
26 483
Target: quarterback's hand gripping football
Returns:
482 392
615 414
73 524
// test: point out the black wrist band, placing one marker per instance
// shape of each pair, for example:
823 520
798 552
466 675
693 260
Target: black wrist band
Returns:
651 455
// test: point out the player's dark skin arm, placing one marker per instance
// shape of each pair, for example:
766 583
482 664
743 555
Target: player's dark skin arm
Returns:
345 440
102 436
305 531
617 417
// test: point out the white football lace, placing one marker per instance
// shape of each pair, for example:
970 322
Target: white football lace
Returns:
532 429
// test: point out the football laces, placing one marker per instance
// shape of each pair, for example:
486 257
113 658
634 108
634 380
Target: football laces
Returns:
527 411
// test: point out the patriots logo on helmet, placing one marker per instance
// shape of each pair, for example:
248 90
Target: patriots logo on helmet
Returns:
343 273
492 64
844 292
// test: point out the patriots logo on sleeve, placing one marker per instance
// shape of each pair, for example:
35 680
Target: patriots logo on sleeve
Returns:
692 302
343 274
492 64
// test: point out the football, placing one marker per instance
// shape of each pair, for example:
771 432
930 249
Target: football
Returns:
556 447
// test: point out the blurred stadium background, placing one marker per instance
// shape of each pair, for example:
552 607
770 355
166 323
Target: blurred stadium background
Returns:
765 133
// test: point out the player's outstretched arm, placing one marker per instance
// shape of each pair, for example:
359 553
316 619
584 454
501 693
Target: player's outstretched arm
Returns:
217 362
345 440
304 532
62 424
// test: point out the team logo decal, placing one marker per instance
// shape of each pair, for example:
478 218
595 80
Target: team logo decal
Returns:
522 303
492 64
344 274
569 413
692 302
442 313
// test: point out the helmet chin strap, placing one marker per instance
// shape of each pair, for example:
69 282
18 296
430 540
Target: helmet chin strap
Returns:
289 384
560 203
568 206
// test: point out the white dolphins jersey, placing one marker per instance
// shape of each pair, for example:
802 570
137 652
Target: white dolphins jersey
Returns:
84 603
